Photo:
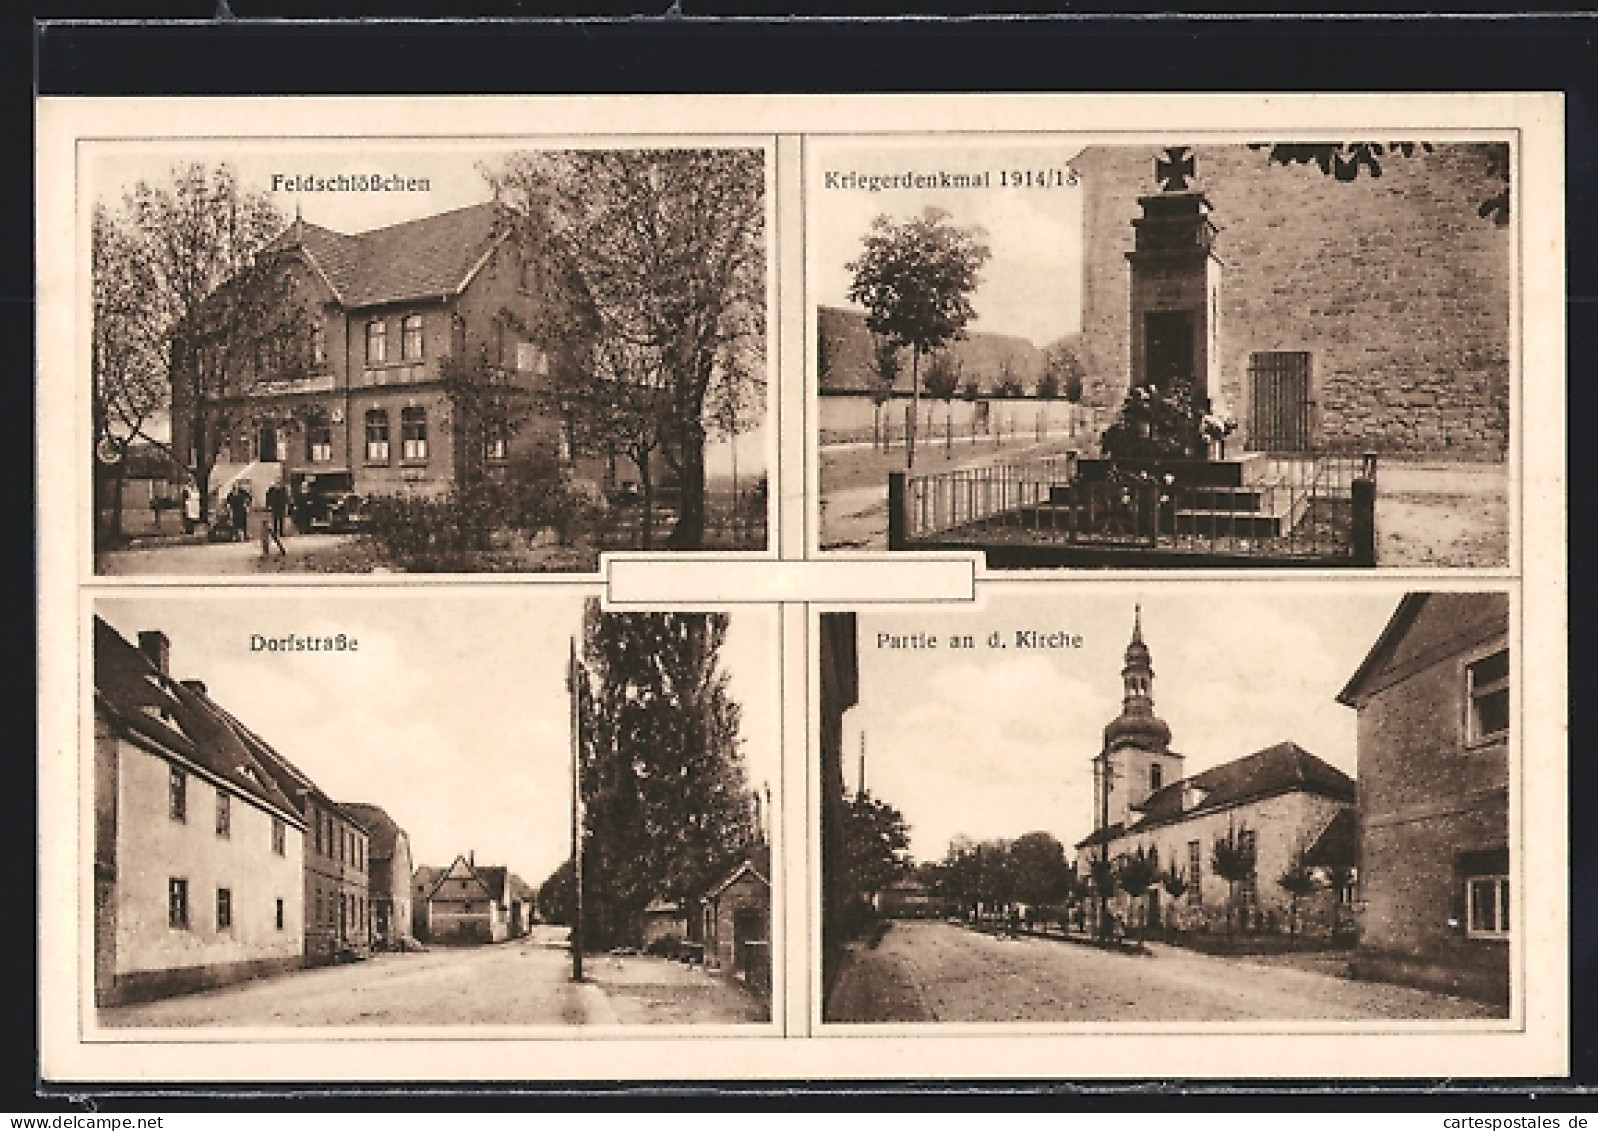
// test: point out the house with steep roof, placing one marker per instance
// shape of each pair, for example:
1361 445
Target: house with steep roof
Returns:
197 849
402 367
736 917
1437 875
469 902
423 881
1282 803
388 872
336 890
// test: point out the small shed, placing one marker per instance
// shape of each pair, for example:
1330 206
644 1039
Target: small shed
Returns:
737 924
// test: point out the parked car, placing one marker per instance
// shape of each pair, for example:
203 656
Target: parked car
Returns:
326 500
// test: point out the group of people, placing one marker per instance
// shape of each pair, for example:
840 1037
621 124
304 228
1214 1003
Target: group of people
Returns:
235 512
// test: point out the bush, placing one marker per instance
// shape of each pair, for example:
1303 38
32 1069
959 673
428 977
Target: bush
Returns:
1154 424
429 534
667 946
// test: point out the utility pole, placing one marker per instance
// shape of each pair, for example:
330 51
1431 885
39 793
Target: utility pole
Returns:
1102 880
574 686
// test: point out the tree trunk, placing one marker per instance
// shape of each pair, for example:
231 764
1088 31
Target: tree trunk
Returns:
646 512
915 409
689 533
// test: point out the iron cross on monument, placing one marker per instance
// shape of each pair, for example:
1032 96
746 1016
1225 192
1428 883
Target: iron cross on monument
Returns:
1173 170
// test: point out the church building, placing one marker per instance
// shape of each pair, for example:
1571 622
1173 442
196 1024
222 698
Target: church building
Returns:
1276 803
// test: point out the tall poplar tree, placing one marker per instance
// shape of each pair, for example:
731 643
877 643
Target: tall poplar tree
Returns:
668 809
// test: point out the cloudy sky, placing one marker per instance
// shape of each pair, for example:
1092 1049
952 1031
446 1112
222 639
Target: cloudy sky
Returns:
996 743
1031 287
452 715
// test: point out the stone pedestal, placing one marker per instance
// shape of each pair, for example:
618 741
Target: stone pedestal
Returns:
1175 296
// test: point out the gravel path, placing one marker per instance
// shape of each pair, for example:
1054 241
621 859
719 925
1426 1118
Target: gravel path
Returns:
931 971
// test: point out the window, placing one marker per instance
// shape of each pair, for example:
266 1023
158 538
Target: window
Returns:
411 338
318 918
279 837
318 817
177 794
496 445
1195 874
413 434
376 436
376 342
318 346
224 909
280 914
531 359
177 903
1156 774
224 814
1487 686
1487 907
319 440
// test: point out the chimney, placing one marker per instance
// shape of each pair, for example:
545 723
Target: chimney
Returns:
157 649
195 685
471 857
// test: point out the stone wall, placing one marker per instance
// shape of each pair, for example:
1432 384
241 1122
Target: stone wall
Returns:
1395 286
1428 793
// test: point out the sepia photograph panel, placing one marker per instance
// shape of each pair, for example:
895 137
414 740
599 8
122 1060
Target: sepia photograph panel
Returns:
1071 351
1306 818
357 357
509 812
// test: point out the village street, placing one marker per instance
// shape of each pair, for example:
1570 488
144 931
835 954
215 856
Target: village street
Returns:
196 557
522 982
936 971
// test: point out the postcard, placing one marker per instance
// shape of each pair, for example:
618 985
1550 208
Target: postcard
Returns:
1050 586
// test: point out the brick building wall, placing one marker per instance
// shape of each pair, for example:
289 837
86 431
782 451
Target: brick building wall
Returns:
1396 288
1434 799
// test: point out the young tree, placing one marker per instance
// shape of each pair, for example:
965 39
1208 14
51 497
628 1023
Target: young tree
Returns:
886 366
666 250
915 280
1297 881
668 809
1062 368
1232 859
734 405
1137 872
942 381
1174 881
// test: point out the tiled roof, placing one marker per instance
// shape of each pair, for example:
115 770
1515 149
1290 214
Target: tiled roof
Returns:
520 888
380 828
179 719
1283 768
493 878
418 259
426 878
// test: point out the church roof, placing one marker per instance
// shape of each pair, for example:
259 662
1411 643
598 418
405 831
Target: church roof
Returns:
419 259
1283 768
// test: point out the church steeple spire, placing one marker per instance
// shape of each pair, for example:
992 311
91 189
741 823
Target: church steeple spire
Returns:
1137 724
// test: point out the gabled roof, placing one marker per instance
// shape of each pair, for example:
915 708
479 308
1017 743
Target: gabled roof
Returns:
1376 659
380 828
520 888
419 259
426 878
1283 768
180 720
494 878
1099 836
756 864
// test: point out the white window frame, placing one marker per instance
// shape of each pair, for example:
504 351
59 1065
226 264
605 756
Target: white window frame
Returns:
377 451
377 342
1473 736
1499 886
413 449
411 331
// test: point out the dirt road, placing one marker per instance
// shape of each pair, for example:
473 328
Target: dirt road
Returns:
524 982
933 971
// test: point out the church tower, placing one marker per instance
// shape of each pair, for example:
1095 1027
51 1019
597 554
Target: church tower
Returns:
1136 743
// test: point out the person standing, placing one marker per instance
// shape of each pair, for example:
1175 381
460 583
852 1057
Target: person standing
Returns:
277 505
191 506
238 504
